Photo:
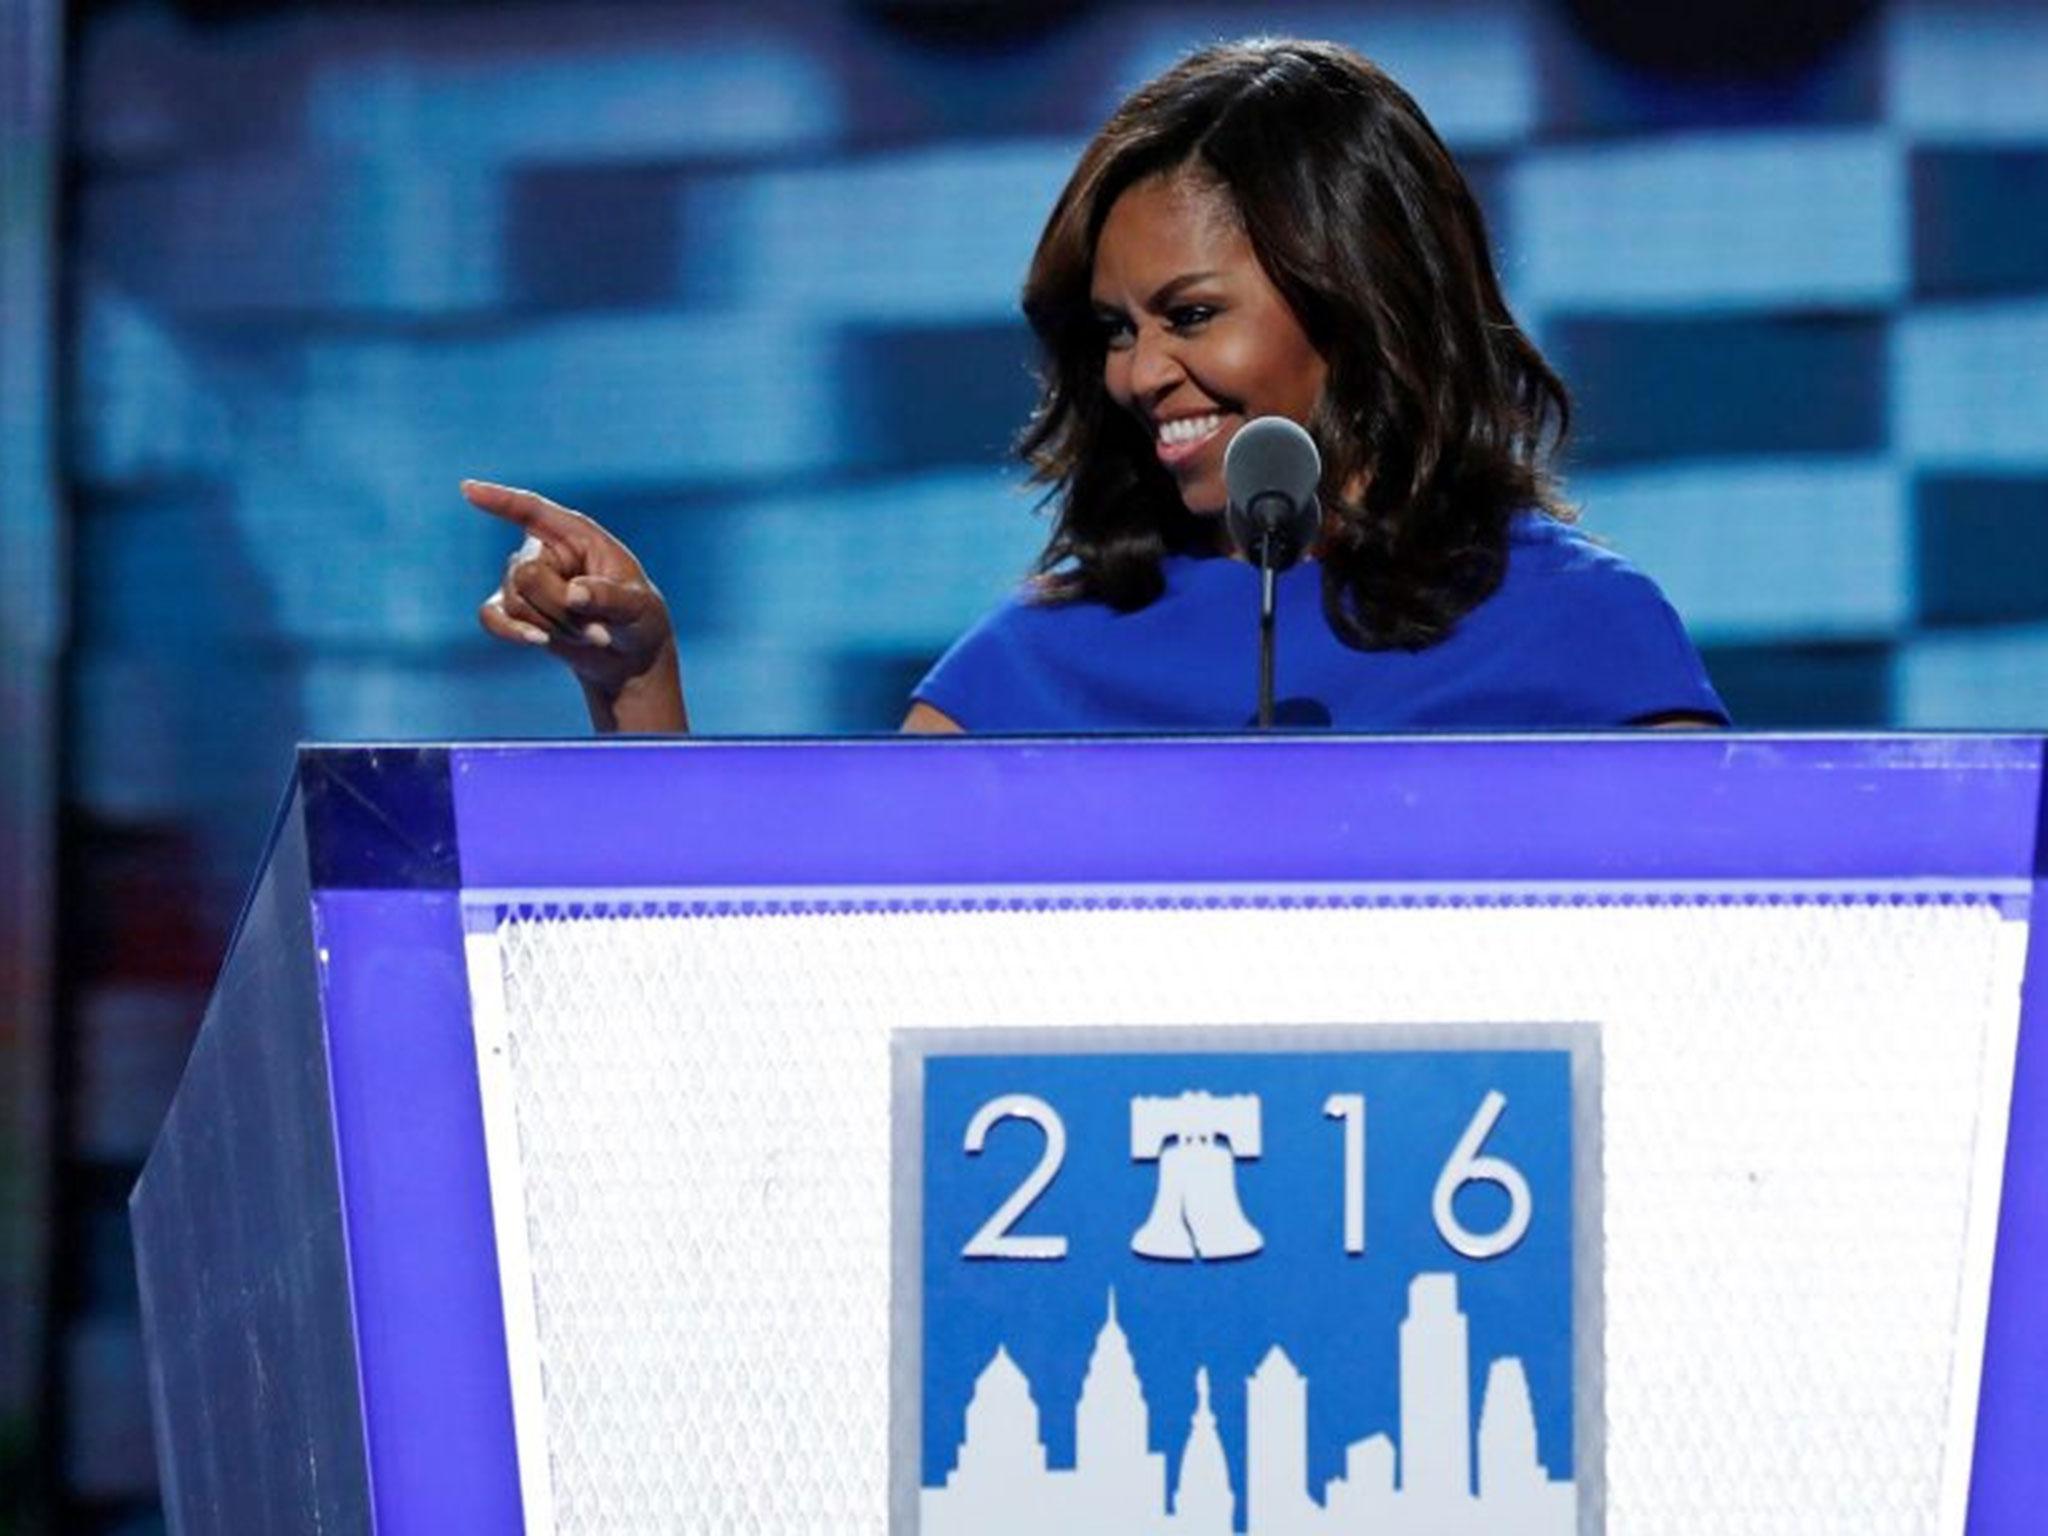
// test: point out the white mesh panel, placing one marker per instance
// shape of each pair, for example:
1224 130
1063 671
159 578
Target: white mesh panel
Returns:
1791 1120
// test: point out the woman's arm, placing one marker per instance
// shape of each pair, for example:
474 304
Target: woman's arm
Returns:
923 720
576 590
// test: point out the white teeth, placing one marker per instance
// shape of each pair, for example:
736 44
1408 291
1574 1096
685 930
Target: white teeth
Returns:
1188 429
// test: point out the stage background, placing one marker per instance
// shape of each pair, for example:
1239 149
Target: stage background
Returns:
740 280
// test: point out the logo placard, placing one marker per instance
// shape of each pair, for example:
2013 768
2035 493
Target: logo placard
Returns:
1270 1291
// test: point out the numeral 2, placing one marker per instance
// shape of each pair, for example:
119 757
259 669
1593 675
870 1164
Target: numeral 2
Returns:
994 1240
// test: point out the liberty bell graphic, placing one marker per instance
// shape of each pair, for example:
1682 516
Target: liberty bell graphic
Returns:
1196 1138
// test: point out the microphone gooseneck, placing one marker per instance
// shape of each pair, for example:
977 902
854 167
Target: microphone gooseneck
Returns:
1271 470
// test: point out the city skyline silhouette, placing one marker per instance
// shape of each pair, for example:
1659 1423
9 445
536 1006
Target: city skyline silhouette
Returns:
1438 1472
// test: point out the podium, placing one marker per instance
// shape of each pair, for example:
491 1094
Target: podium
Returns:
1270 1134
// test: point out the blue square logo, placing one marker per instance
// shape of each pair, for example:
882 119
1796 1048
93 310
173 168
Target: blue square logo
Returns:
1262 1291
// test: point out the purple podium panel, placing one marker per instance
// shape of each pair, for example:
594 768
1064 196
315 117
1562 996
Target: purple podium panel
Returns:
470 939
1295 810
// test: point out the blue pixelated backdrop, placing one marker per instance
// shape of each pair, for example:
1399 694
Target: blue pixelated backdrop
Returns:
742 281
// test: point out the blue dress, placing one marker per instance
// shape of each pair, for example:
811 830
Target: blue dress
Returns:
1575 637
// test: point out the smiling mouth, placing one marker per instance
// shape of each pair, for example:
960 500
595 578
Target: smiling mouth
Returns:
1184 436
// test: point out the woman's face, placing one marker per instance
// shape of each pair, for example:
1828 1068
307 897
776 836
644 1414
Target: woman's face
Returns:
1199 340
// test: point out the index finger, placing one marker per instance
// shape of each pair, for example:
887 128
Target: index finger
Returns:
547 520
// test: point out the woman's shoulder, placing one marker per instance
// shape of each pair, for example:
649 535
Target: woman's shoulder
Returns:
1542 543
1035 611
1042 610
1562 567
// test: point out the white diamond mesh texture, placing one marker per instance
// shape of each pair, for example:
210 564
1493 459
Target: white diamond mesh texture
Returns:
1790 1106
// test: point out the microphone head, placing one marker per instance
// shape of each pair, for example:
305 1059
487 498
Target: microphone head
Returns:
1271 470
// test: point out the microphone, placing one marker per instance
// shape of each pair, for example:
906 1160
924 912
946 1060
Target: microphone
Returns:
1271 470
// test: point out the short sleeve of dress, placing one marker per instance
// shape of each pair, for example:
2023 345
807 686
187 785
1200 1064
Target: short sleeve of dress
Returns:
986 680
1620 653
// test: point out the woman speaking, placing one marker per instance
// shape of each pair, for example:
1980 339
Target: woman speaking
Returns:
1270 228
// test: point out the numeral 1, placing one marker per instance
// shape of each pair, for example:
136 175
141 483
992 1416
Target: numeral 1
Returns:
1350 1108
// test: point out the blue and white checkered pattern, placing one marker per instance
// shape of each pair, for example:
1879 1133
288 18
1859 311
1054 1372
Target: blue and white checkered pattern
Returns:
741 280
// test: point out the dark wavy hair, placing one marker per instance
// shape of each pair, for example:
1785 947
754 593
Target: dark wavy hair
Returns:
1440 418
